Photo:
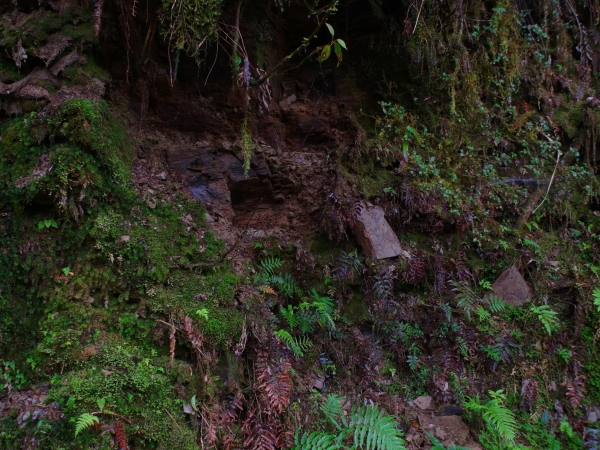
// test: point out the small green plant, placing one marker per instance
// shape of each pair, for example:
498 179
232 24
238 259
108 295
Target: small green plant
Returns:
485 284
596 297
84 421
203 312
565 354
547 316
49 223
498 418
495 304
335 44
298 345
366 427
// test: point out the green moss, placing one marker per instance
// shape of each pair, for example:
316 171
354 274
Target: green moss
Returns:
133 384
371 179
69 159
223 327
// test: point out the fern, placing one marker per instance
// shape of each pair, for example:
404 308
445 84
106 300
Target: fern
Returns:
84 421
370 428
374 430
317 440
288 286
496 415
269 265
596 295
290 317
547 316
332 408
466 297
298 345
495 304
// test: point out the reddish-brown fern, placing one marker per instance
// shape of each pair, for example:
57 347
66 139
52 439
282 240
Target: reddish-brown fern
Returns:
120 436
529 394
258 435
274 380
575 391
415 272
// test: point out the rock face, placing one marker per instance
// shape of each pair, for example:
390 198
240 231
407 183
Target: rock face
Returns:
375 235
424 402
511 287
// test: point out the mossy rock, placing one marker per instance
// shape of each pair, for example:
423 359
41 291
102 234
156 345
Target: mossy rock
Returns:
68 160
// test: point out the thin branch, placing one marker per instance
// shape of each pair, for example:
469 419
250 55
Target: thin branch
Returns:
306 43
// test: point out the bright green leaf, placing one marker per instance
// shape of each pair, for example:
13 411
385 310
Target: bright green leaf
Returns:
342 43
330 28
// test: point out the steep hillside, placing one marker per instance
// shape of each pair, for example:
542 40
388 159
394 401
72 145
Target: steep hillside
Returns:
283 224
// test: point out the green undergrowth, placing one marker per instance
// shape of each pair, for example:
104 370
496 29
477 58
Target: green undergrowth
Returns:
90 275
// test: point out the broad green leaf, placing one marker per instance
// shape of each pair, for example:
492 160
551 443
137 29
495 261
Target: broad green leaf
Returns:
342 43
330 28
325 53
238 59
338 52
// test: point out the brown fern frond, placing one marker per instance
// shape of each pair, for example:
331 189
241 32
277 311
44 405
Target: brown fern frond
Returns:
463 274
450 360
195 339
172 343
440 276
529 394
97 16
415 272
267 290
120 436
285 436
575 391
258 435
211 424
274 380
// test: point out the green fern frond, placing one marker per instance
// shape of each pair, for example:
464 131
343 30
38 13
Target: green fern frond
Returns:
288 286
269 265
298 345
332 408
596 296
495 304
497 417
317 440
466 298
290 317
374 430
325 309
85 421
547 316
